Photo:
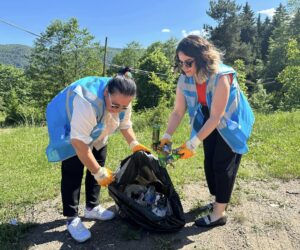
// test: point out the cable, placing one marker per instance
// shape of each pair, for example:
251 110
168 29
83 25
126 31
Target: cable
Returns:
135 70
18 27
110 64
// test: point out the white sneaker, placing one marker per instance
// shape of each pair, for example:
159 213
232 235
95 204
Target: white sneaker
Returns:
99 213
78 231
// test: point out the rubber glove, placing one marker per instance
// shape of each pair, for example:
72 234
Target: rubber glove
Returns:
166 139
188 149
104 176
135 146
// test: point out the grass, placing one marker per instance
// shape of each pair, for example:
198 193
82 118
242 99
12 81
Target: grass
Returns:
27 178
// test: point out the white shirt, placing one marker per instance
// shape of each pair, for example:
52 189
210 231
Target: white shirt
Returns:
84 120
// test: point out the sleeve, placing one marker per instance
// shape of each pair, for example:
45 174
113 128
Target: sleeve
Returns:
83 120
126 122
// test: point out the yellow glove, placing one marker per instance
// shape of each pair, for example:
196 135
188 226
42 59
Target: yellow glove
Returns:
140 147
104 176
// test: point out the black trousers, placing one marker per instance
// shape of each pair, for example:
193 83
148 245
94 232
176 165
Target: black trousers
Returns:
220 165
71 177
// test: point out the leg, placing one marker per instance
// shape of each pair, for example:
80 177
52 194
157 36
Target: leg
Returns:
209 150
93 210
225 167
71 177
92 189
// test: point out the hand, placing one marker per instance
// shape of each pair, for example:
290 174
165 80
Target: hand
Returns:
166 139
164 142
104 176
140 147
188 149
185 152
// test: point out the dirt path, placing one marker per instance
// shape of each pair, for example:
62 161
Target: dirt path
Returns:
263 215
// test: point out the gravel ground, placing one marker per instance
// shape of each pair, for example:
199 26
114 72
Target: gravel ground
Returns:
262 215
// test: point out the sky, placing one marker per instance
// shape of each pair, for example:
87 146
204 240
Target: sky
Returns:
120 21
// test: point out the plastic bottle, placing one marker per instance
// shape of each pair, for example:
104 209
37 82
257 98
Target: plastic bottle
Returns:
150 195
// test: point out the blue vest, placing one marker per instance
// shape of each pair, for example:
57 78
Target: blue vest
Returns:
236 125
59 113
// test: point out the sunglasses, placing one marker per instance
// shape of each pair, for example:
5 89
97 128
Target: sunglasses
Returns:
114 105
187 63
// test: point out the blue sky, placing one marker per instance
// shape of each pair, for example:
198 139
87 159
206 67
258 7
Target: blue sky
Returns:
121 21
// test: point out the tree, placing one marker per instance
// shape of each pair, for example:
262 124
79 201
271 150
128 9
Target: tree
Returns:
293 6
61 55
247 25
294 26
13 79
226 36
157 85
239 66
129 56
266 31
290 77
277 57
260 99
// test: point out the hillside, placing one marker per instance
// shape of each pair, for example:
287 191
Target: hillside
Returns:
17 54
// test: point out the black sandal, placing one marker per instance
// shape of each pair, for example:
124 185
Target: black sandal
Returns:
206 221
208 208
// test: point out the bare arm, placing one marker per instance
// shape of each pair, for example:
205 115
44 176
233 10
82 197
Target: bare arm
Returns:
177 113
85 155
128 135
218 106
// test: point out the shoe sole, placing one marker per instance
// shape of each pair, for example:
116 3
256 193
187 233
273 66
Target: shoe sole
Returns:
92 218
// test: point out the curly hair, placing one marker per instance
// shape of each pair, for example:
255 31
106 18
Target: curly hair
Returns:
207 56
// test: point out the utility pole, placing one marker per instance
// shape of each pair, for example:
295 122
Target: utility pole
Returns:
104 58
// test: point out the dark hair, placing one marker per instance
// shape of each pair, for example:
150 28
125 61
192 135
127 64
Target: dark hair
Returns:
206 55
122 85
123 71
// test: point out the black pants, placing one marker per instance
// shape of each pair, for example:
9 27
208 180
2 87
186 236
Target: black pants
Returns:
220 165
71 177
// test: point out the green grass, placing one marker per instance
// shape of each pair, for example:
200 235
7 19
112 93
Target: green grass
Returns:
27 178
274 147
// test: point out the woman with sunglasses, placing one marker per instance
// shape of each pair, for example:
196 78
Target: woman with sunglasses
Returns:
220 117
80 119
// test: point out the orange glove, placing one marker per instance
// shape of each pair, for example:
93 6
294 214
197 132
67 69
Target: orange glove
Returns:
104 176
140 147
184 152
166 139
188 149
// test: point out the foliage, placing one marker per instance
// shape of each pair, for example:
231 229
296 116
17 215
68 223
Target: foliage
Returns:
15 55
129 56
239 66
260 100
15 90
290 77
159 83
13 78
63 54
277 54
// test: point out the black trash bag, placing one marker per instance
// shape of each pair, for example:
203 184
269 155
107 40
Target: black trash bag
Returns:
144 169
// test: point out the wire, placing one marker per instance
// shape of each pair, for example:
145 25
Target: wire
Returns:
135 70
18 27
110 64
